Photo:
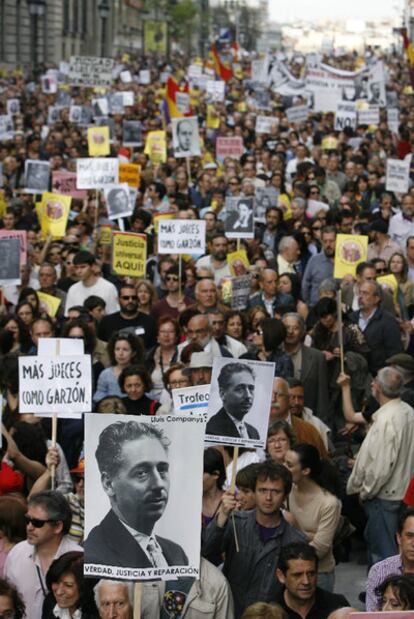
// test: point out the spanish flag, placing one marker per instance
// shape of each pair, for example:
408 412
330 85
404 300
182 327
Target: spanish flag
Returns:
222 71
409 53
177 100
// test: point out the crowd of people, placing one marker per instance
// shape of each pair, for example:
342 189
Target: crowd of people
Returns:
338 467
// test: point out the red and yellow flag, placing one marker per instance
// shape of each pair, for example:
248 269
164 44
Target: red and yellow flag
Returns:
223 72
409 53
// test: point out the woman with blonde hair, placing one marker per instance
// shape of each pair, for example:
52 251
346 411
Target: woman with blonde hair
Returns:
263 610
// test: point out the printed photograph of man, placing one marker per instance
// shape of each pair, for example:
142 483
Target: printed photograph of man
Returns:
133 461
239 221
131 133
118 204
236 383
185 137
37 176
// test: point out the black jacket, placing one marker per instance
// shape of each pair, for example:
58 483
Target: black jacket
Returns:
220 424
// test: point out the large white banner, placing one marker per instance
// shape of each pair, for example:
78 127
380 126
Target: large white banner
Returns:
90 71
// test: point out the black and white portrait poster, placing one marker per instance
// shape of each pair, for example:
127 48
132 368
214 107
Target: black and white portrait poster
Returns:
118 201
106 121
75 114
13 107
36 175
265 197
239 222
239 404
142 496
131 133
53 115
116 103
100 107
186 140
10 262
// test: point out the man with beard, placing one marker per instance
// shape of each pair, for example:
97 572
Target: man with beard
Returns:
236 383
216 260
319 267
128 318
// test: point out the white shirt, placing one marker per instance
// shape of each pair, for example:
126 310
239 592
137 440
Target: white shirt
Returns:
23 569
400 229
143 540
78 293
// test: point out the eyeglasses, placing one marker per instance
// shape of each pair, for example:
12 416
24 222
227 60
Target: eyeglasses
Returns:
171 278
182 382
315 192
37 523
380 271
127 297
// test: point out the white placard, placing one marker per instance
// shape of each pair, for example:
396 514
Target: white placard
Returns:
75 113
10 261
48 346
36 176
182 101
345 116
393 119
150 498
128 96
370 116
194 70
13 107
398 175
96 173
181 236
90 71
118 201
191 400
145 76
239 222
49 84
50 384
240 291
297 114
126 77
264 124
186 140
6 127
242 389
215 90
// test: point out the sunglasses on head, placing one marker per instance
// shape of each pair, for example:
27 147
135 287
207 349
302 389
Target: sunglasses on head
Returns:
37 523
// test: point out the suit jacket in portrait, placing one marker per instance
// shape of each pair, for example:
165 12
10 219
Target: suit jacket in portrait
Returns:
220 424
110 543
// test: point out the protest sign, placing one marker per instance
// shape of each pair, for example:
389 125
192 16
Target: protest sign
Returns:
213 117
100 107
36 176
75 113
265 197
182 102
53 115
90 71
48 303
329 86
398 174
53 213
194 70
238 263
250 385
126 77
64 183
47 346
13 107
345 116
6 127
239 222
240 289
145 76
105 234
128 97
191 400
98 141
186 140
181 236
17 234
264 124
390 614
350 250
297 114
55 384
116 102
49 84
229 147
389 282
393 119
118 201
156 146
9 261
129 254
174 520
131 133
369 116
155 36
215 90
130 173
96 173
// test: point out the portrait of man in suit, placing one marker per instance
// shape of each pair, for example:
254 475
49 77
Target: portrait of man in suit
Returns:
236 383
133 462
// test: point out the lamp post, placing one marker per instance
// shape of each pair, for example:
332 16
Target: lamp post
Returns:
104 9
36 10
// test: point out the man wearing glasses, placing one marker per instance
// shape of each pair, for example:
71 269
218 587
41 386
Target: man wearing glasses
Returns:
48 523
129 318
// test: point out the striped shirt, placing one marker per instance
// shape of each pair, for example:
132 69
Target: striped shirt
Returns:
377 574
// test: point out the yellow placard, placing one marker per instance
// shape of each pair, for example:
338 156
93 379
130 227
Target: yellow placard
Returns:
130 173
350 250
156 146
98 141
390 283
330 143
48 303
213 117
129 254
53 212
238 263
105 234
